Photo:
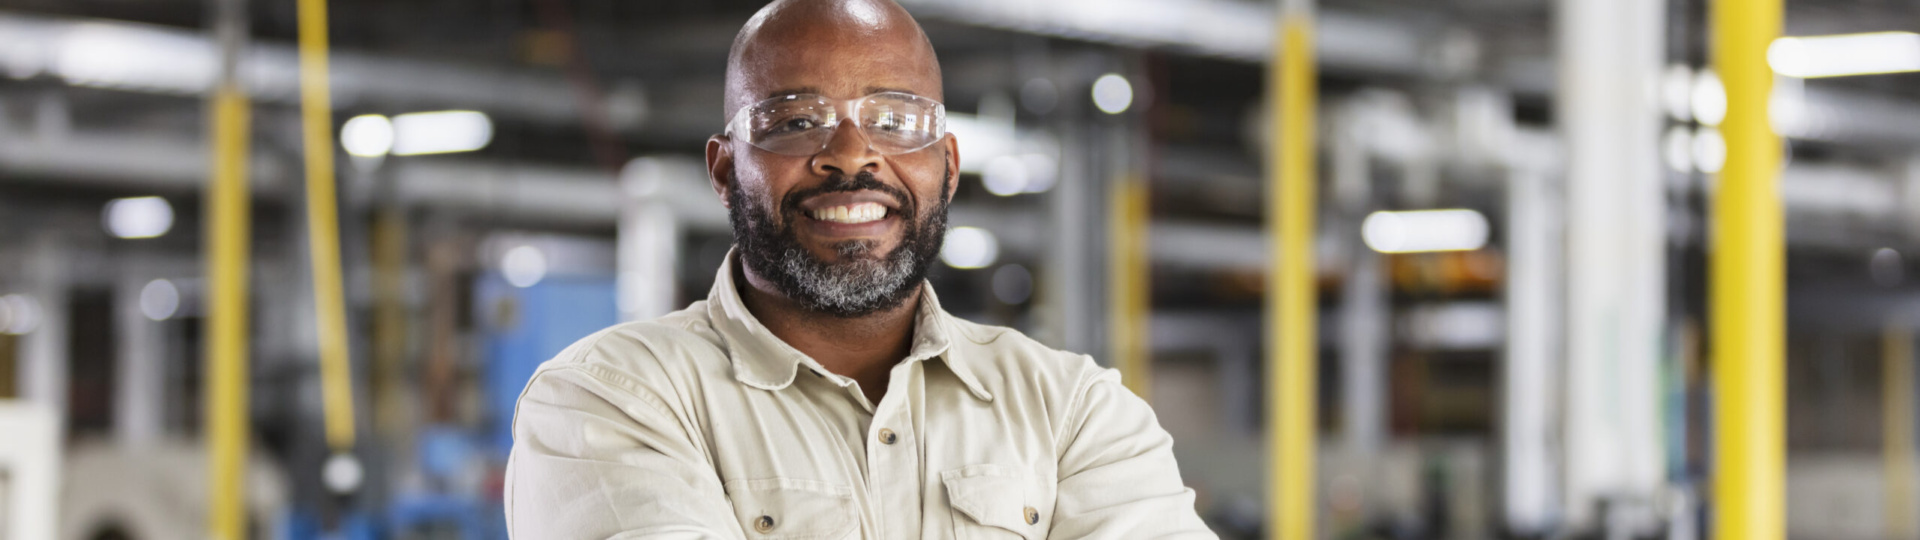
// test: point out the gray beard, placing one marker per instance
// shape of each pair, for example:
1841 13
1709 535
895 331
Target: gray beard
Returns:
862 282
858 285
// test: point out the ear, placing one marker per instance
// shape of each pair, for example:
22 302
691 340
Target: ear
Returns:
953 165
720 166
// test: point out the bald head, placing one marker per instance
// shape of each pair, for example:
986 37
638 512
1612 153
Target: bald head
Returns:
841 49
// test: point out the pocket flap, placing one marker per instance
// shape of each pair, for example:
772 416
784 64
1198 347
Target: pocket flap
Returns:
770 508
995 496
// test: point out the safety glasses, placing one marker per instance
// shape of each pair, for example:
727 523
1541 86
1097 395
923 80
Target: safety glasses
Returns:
803 124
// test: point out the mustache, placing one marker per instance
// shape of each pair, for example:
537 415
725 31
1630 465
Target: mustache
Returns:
841 183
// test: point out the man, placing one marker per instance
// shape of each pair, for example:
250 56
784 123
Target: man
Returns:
820 391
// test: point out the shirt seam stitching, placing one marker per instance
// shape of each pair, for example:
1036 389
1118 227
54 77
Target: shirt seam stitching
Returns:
1075 419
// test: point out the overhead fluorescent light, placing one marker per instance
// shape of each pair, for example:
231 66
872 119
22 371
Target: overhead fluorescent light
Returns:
367 135
440 132
1112 93
1424 231
1843 55
132 57
138 217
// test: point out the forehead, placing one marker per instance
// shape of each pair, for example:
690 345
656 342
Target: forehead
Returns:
840 62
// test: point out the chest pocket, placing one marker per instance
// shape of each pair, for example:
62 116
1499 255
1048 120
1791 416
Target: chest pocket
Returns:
793 509
997 502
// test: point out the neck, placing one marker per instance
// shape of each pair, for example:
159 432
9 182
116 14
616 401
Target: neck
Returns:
863 348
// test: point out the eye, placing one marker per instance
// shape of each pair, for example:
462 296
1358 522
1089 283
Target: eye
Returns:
793 125
889 121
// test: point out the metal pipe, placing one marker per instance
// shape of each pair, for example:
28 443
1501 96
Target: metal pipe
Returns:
1292 347
1747 282
1348 40
229 231
323 223
162 60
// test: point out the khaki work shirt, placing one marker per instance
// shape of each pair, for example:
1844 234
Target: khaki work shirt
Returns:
702 424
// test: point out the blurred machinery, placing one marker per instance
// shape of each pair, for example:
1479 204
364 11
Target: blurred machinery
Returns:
155 490
29 471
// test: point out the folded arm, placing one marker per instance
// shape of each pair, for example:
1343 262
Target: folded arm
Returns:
593 458
1118 478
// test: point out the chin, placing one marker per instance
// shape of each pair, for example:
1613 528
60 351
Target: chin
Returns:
850 250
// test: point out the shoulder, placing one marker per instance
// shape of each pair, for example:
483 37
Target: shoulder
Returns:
644 357
1011 360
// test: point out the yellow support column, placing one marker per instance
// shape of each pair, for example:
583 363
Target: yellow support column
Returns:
323 224
391 416
1896 376
1292 349
1747 285
1128 286
229 227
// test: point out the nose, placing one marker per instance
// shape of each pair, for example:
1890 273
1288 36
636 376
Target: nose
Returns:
849 152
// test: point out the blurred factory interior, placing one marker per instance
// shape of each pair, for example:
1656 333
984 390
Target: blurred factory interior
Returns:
1511 253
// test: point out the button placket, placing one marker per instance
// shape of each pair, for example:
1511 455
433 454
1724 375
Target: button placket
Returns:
891 459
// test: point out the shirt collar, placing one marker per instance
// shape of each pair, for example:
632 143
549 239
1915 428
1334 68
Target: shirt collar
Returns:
762 360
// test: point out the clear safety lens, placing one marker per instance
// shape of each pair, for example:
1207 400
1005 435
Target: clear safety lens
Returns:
800 125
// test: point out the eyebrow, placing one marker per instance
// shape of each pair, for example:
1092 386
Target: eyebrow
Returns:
792 91
871 90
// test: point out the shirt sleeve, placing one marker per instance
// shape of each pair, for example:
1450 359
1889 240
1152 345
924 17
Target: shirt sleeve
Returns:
1118 478
593 459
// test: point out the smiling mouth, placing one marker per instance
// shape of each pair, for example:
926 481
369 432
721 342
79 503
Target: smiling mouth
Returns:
851 214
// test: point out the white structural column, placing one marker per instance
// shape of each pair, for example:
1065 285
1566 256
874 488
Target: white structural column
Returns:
139 401
1530 490
1363 327
1067 289
649 235
43 351
1610 59
1910 194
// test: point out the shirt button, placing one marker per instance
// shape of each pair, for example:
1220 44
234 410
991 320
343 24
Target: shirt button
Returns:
1033 516
764 524
887 436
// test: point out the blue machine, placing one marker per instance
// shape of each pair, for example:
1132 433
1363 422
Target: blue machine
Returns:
527 326
519 327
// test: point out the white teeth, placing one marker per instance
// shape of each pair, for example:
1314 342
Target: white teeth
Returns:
852 214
